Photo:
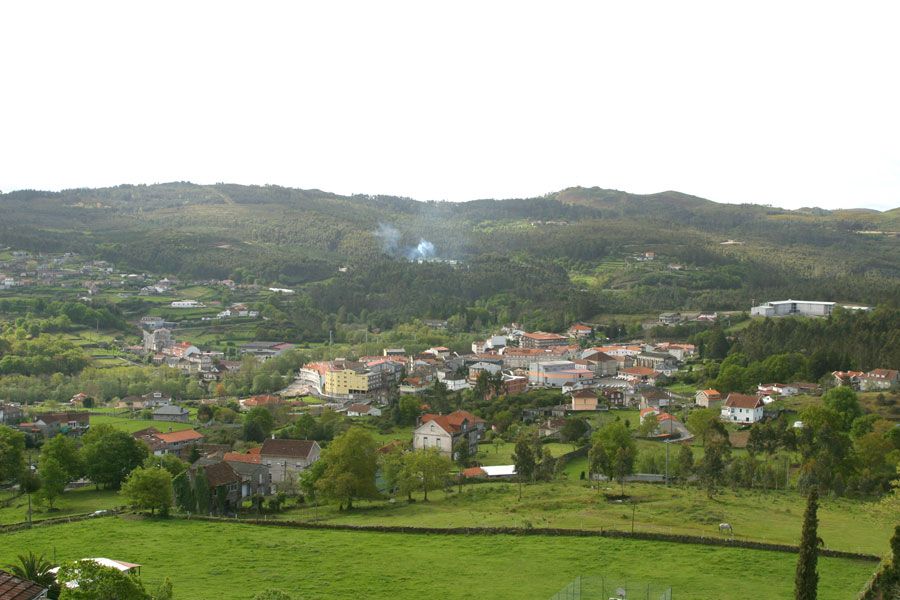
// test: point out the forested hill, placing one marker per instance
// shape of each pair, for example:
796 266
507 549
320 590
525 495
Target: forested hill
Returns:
581 242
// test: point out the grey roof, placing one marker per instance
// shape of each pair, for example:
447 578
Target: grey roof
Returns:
171 409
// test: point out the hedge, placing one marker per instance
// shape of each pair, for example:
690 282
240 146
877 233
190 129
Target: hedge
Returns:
610 533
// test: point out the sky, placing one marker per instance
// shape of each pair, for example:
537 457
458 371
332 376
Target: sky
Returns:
784 103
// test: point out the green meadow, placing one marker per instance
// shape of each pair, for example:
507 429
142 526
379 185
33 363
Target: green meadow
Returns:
772 516
232 561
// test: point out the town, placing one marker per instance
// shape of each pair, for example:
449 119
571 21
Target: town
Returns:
168 405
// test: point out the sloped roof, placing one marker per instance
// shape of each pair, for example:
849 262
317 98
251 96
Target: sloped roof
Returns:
241 457
170 409
63 417
188 435
641 371
13 588
742 401
221 473
883 374
542 335
292 448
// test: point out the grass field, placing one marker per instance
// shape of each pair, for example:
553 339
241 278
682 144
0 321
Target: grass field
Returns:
501 453
132 425
234 561
774 516
72 502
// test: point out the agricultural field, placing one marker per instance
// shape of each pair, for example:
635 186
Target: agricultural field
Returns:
73 502
132 425
240 560
772 516
500 453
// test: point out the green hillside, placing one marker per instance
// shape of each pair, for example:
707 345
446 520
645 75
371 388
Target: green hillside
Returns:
565 256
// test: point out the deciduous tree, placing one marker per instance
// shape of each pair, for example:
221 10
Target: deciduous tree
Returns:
350 465
149 488
110 455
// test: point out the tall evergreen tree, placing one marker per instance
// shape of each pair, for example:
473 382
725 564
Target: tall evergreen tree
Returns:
807 579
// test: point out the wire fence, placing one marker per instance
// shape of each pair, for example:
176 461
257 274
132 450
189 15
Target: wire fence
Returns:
597 587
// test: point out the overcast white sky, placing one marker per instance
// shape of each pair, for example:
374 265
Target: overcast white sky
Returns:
785 103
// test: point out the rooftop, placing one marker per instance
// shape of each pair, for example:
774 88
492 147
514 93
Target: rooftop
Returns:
175 437
13 588
292 448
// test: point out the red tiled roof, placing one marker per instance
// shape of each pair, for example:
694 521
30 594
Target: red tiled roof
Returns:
241 457
188 435
584 394
452 423
473 472
541 335
13 588
641 371
443 421
712 392
883 373
742 401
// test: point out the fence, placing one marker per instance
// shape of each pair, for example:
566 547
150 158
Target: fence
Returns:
598 587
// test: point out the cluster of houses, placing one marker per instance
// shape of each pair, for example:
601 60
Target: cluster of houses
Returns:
64 270
160 344
46 424
872 381
594 378
237 476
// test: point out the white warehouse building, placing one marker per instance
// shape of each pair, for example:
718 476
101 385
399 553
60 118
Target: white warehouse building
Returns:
807 308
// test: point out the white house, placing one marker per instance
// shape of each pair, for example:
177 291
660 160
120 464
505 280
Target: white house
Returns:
363 410
444 431
741 408
187 304
776 389
454 383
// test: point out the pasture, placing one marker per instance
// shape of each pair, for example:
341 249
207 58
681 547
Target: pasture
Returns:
73 502
772 516
237 561
132 425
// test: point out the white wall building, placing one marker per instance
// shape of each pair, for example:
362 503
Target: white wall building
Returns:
807 308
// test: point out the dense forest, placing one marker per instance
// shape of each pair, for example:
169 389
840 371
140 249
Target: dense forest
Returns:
785 350
544 261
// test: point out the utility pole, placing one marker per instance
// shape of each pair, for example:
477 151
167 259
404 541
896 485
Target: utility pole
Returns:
633 508
667 462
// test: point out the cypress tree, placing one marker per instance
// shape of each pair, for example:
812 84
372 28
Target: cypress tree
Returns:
807 579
